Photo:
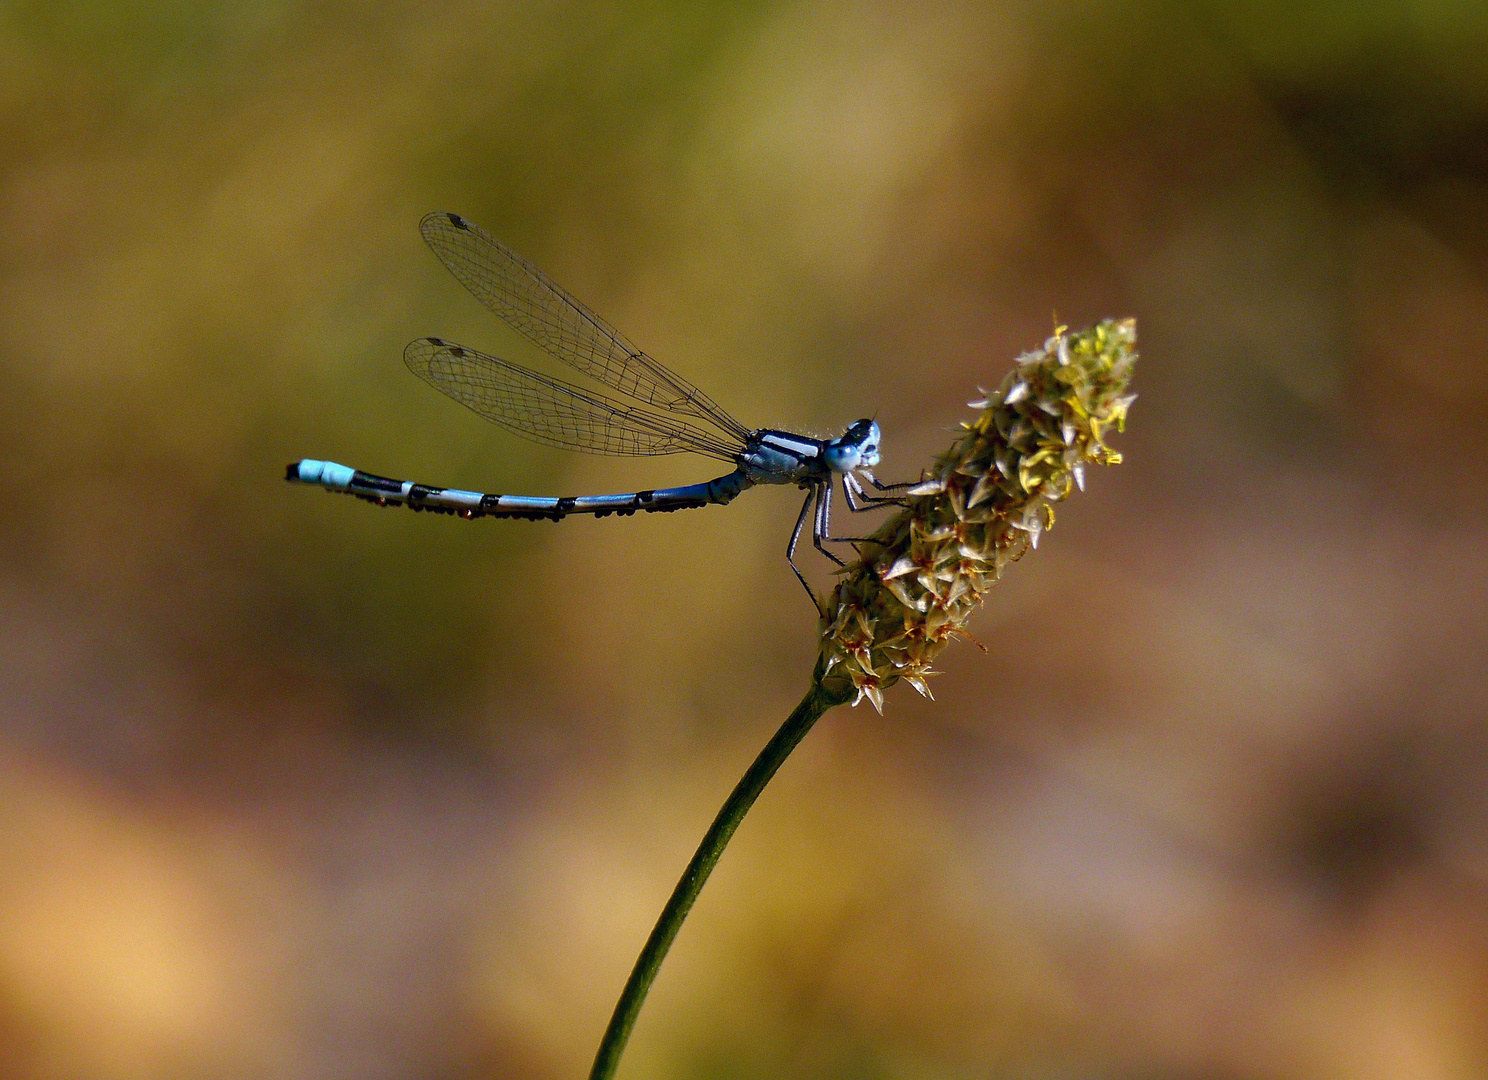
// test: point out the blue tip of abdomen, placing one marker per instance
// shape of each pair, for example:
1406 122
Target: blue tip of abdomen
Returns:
328 473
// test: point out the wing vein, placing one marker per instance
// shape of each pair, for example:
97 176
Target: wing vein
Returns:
538 308
554 412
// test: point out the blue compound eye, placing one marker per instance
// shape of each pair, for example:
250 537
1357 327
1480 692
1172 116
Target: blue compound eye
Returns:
857 447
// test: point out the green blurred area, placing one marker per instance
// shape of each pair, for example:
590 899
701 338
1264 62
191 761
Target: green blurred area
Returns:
298 787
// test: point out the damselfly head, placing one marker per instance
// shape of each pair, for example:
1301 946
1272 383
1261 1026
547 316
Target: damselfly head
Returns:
857 447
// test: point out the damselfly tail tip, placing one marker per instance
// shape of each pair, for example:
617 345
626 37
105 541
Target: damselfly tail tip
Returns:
325 473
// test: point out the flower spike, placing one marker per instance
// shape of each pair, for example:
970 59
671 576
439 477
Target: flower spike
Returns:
985 503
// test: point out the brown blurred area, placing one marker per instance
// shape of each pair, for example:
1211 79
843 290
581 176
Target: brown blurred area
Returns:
294 787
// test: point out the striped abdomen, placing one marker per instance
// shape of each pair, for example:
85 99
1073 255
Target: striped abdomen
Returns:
385 491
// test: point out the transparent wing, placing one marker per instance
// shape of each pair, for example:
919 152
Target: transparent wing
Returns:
539 309
553 412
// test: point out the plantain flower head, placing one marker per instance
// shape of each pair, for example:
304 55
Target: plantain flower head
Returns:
985 503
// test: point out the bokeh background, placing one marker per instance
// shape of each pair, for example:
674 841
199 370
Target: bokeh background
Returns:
292 786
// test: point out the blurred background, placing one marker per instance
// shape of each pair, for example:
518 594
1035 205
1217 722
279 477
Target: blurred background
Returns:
292 786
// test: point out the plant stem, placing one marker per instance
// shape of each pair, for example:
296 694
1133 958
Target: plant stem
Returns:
817 701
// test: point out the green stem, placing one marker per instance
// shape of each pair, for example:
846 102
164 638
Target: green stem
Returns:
817 701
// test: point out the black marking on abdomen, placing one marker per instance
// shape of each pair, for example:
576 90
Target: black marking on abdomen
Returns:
418 495
376 483
523 515
380 500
